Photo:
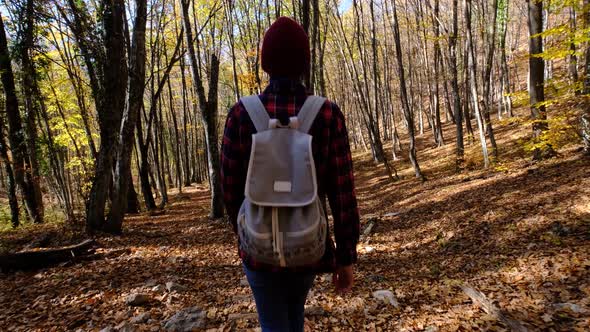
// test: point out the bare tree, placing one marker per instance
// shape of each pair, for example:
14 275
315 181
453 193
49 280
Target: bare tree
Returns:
22 175
11 187
537 76
26 14
136 84
106 65
404 95
208 106
473 83
460 148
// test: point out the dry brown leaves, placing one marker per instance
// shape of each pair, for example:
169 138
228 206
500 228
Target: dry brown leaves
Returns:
521 237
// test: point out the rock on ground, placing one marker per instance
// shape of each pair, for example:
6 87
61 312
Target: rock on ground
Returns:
141 318
188 319
136 300
171 286
386 296
125 327
158 289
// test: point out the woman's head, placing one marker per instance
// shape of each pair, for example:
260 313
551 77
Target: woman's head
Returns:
285 49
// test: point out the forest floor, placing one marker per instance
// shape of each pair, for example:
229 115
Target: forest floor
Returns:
519 232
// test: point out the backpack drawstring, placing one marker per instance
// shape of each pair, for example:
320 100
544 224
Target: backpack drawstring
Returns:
277 237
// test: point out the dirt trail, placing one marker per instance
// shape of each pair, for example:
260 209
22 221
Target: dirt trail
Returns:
519 234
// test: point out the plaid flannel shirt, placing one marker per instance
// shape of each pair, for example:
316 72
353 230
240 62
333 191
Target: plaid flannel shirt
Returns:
333 162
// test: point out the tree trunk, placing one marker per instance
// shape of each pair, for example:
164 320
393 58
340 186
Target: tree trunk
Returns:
487 80
305 18
587 53
460 148
315 41
208 106
185 128
11 190
585 119
176 143
505 73
404 95
22 176
573 58
144 170
158 153
123 185
437 55
31 110
132 200
537 74
466 94
391 171
232 48
110 108
473 84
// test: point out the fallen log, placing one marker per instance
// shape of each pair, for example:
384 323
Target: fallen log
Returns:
35 259
488 306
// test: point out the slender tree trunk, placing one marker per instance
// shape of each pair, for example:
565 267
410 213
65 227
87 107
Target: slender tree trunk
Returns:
487 80
144 170
466 94
305 20
537 75
505 73
158 149
573 58
587 52
110 107
460 148
404 95
548 69
315 40
230 34
391 171
185 128
176 142
123 185
473 84
28 83
208 106
585 118
132 199
437 72
18 148
11 187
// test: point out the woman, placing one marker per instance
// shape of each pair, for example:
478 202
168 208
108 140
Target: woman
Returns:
279 292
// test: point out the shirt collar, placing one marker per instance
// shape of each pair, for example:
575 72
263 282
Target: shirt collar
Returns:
285 86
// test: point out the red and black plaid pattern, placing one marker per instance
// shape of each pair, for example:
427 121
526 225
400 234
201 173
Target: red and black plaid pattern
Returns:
333 162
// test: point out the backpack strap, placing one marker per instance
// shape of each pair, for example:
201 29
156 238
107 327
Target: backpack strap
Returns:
309 111
256 111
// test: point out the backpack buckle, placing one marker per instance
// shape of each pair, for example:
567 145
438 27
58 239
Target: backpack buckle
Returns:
275 123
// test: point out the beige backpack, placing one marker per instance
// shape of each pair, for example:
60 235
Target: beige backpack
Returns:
282 221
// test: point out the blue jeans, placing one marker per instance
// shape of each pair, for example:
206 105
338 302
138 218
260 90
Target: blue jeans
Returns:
280 298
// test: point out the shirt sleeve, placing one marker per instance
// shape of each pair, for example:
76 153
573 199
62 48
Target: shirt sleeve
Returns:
232 172
340 191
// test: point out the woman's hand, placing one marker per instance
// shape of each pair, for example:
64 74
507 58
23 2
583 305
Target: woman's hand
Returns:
343 279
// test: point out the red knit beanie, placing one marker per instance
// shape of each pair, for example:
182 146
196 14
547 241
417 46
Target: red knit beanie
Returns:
285 49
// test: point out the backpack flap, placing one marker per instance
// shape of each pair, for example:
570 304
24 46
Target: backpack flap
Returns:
281 172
